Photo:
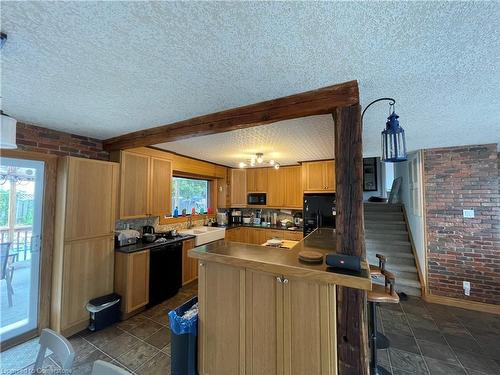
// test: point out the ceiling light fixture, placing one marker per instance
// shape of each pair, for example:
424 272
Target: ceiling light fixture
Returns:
393 136
258 158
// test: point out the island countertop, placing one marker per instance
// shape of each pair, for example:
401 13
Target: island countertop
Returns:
285 261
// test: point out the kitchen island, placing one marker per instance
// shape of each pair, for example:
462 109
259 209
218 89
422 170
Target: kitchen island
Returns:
263 311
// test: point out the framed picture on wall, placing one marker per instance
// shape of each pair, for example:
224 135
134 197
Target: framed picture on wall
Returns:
370 174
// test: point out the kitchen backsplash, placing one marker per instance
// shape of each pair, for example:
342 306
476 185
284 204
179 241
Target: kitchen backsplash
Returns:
281 214
137 224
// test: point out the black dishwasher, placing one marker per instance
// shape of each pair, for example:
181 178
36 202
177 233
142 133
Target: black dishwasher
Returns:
165 272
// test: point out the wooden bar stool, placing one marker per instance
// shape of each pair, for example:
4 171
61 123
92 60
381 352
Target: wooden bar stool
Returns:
378 271
380 294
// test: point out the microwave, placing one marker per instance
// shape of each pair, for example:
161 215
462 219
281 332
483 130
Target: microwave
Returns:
256 199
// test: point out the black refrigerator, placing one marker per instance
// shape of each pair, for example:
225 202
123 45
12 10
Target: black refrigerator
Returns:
318 212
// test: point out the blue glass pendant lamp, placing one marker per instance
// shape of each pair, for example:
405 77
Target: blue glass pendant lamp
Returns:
393 136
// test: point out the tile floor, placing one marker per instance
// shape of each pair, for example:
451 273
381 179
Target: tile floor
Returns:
425 339
140 344
439 340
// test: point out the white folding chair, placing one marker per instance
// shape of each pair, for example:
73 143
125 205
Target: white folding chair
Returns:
62 349
106 368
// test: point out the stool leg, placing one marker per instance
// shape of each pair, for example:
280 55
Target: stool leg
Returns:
374 368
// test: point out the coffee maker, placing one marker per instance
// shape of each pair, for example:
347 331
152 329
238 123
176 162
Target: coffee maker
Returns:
235 217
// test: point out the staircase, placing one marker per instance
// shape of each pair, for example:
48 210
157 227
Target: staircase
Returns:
386 233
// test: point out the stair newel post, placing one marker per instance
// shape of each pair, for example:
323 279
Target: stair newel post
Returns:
352 328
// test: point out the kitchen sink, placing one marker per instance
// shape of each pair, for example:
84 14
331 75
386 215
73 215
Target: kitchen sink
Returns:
205 234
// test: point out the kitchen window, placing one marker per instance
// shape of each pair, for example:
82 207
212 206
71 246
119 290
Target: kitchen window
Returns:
188 193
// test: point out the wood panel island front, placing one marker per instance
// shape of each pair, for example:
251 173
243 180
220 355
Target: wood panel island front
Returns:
263 311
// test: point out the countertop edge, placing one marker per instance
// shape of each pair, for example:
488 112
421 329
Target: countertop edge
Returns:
355 282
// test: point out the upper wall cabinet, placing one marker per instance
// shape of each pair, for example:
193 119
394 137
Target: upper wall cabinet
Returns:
238 187
257 180
318 176
90 197
284 187
161 184
145 185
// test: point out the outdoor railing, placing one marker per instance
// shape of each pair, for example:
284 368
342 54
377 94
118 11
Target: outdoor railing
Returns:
21 241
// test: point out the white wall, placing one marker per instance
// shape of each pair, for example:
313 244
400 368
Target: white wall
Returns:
411 195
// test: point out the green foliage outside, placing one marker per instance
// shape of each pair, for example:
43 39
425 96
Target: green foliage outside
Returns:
24 209
4 208
188 193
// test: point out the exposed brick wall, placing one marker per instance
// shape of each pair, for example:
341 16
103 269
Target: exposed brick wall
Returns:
461 249
36 138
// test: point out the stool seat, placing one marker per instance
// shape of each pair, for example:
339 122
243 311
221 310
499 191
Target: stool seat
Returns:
378 271
375 271
381 294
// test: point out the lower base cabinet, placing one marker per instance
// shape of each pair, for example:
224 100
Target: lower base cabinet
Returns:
253 322
189 265
132 280
258 236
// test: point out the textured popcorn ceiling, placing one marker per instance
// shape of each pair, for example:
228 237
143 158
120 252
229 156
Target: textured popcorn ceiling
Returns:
103 69
286 142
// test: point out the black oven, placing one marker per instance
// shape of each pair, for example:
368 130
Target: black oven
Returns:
256 199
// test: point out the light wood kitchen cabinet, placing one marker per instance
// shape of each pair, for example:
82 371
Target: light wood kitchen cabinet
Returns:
275 187
90 187
239 234
238 187
134 185
293 187
275 324
189 265
221 344
256 236
87 273
309 327
83 258
293 236
161 187
132 280
145 185
318 176
257 179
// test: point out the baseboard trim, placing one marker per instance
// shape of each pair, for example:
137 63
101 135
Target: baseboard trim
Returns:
464 304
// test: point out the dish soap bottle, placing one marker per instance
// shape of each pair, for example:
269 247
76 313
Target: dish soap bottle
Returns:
176 211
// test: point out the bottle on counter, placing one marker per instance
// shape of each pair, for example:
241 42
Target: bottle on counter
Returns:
176 211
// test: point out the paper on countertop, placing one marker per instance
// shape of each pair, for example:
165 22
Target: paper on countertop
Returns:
127 233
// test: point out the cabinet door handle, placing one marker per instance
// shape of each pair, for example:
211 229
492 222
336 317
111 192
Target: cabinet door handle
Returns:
202 264
278 279
285 281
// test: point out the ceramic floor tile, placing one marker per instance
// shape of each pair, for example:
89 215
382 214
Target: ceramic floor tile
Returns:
429 335
160 339
119 345
437 367
406 361
85 366
474 361
146 329
437 351
138 356
158 365
406 343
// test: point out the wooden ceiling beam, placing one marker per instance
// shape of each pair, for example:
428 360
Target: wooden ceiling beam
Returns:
316 102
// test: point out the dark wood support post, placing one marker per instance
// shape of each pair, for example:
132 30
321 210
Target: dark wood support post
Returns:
352 332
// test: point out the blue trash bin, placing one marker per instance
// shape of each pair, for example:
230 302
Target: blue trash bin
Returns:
183 342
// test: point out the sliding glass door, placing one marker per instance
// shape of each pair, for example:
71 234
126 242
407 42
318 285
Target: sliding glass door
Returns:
21 197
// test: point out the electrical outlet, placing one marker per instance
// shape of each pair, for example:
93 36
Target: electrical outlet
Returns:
466 285
469 214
